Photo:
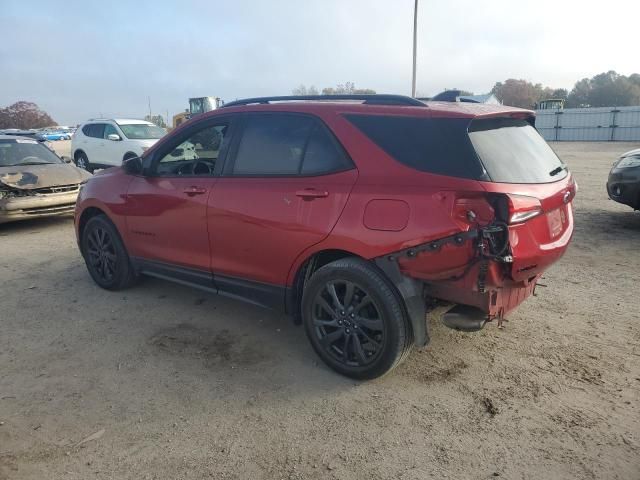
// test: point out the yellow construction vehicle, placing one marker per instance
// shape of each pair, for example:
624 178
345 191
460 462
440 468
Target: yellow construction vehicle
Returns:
197 105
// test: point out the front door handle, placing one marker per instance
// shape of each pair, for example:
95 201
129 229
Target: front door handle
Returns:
311 193
191 191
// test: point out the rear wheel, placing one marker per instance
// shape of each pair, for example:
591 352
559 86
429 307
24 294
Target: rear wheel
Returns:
355 320
105 255
83 162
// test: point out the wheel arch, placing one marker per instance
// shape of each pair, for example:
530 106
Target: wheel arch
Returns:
303 272
129 155
87 214
78 151
410 291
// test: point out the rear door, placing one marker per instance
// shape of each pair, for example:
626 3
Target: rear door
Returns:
93 142
282 191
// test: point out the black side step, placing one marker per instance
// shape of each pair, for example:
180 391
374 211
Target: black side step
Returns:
464 318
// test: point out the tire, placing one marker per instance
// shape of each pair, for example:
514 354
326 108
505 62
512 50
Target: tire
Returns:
83 162
355 319
105 255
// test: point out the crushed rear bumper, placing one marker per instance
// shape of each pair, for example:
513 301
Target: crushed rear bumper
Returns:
478 278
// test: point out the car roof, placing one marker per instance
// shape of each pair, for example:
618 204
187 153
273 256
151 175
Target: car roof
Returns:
119 121
15 137
432 109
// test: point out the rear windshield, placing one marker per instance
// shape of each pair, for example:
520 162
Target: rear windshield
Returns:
512 151
502 150
439 146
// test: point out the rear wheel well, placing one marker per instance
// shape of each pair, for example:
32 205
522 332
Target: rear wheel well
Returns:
87 214
309 266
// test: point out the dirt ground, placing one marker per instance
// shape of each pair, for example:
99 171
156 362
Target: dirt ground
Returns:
165 382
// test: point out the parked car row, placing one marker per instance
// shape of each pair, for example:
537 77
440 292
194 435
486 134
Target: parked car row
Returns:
352 217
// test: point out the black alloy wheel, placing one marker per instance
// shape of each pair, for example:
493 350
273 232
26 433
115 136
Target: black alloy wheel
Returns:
105 255
347 323
355 319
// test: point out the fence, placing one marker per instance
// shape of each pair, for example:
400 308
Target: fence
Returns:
601 124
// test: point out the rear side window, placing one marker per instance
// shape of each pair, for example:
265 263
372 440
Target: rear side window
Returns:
286 144
512 151
323 154
439 146
95 130
272 145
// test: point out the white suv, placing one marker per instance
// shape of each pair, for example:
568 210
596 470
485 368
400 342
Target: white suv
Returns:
107 143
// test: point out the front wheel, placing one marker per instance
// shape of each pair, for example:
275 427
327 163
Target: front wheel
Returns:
105 255
355 320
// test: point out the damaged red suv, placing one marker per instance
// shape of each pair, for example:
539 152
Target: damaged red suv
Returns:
353 214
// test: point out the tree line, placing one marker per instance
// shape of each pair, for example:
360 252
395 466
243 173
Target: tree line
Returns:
608 89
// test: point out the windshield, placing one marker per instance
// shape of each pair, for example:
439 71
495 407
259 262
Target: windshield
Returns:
142 131
512 151
25 152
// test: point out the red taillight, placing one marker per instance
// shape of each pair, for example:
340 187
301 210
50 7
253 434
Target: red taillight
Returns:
522 208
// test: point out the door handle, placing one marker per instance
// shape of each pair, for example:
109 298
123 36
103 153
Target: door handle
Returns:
311 193
191 191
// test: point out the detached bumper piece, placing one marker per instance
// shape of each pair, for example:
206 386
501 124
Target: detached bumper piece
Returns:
464 318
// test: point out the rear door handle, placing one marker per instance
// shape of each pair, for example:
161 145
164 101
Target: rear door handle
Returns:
311 193
191 191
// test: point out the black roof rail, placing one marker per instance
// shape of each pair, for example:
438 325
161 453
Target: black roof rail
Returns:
369 99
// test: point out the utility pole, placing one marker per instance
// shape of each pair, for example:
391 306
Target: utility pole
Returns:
149 99
415 46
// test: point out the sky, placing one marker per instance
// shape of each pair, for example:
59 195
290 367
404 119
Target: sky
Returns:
80 59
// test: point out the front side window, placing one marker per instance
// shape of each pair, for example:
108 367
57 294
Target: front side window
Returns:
142 131
197 155
110 130
285 144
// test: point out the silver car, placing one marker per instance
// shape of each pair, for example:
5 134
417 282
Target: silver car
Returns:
34 181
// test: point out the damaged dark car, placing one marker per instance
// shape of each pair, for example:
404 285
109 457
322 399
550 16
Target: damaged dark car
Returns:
34 181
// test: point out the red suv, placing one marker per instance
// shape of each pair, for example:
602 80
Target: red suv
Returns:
353 214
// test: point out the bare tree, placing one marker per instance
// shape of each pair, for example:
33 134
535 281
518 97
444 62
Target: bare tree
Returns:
157 120
303 90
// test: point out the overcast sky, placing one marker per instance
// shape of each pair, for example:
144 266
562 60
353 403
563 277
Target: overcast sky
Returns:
78 59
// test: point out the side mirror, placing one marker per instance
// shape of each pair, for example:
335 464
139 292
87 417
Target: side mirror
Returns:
114 137
132 166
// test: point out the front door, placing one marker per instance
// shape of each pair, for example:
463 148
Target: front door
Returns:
167 208
283 189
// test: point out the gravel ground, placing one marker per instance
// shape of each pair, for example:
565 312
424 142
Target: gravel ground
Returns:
162 381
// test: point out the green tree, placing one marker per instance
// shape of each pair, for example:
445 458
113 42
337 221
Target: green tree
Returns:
24 115
520 93
606 89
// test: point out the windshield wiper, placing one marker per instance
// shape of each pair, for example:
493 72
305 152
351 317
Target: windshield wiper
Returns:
556 171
